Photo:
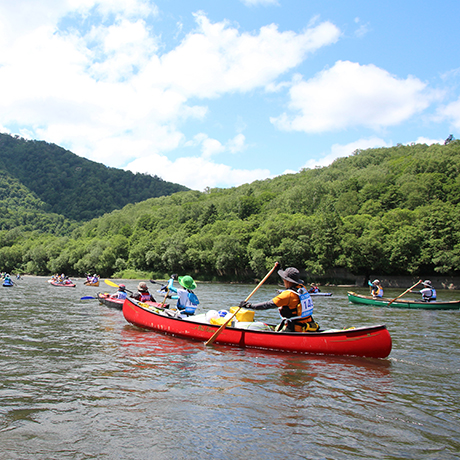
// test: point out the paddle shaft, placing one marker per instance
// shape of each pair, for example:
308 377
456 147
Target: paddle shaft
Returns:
405 292
216 334
166 296
111 283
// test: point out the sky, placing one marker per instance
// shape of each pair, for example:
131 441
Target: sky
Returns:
209 93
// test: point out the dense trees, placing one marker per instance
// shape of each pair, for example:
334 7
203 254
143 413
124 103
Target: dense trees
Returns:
75 187
391 211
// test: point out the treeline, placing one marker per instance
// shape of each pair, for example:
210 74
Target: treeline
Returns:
74 187
392 211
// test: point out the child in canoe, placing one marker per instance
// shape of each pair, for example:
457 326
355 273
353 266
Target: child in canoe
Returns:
187 301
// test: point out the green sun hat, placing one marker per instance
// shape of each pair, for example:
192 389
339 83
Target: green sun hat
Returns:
187 282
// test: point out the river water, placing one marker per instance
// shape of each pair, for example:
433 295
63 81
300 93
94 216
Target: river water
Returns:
79 382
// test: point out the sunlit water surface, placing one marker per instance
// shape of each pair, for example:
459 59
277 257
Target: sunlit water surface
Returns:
79 382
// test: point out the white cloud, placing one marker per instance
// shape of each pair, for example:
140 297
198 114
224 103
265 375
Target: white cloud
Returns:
210 147
124 48
339 151
350 95
362 30
108 94
217 59
237 144
427 141
18 17
195 172
451 112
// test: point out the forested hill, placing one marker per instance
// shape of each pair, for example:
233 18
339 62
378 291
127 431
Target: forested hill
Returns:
22 211
393 211
75 187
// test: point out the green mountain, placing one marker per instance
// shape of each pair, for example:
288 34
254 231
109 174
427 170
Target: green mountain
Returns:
389 211
74 187
22 210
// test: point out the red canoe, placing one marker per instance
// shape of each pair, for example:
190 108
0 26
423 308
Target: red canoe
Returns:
372 342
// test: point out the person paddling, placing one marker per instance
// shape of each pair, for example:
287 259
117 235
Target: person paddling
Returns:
376 289
143 294
187 301
294 304
428 292
121 293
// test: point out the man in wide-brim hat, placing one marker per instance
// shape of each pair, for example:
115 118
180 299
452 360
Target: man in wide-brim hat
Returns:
428 292
143 294
294 304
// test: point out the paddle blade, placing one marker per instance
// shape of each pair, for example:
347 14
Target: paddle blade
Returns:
110 283
87 297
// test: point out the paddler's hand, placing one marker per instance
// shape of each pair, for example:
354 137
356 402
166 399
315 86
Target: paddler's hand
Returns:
244 304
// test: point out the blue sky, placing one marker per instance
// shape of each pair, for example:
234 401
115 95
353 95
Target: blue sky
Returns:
213 93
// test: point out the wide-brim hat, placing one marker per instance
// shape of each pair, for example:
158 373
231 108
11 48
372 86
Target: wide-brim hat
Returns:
291 274
187 282
427 283
142 287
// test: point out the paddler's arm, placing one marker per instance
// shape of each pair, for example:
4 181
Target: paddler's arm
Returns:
277 302
262 305
170 285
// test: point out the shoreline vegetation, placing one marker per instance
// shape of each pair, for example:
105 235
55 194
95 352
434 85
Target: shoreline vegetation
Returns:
440 283
388 213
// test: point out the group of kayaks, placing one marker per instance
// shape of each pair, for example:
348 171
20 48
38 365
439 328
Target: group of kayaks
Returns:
369 341
66 282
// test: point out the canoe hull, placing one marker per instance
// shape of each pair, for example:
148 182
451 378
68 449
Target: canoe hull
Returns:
87 283
106 300
400 303
53 283
111 302
372 342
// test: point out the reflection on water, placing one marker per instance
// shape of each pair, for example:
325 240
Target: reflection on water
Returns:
78 381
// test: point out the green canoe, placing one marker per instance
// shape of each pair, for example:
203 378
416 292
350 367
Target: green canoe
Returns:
399 303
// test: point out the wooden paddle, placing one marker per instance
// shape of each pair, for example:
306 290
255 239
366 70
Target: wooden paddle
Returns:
405 292
111 283
166 296
221 328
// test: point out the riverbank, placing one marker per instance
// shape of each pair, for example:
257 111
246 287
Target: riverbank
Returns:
339 280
